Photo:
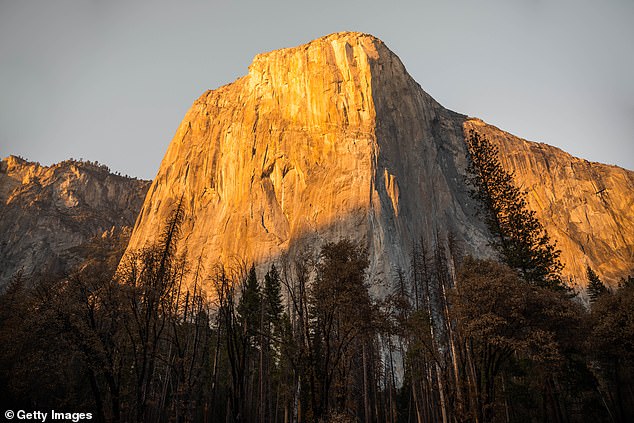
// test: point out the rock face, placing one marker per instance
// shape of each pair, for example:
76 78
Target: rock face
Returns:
327 140
46 213
587 207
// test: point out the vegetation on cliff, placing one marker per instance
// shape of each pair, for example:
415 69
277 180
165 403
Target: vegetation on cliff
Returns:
519 238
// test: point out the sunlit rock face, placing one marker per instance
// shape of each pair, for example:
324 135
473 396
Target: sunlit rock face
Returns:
327 140
48 212
588 208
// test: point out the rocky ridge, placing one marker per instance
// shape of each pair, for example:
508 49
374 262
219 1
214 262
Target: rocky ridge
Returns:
48 212
587 207
334 138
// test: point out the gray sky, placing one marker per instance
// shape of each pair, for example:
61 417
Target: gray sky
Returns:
110 80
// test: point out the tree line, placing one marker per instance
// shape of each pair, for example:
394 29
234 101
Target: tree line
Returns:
456 339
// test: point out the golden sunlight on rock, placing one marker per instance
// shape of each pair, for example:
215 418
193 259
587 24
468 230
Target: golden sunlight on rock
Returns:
334 139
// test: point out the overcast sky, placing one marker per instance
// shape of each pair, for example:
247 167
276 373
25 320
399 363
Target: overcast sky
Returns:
110 80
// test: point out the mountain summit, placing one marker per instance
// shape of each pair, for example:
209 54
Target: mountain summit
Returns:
334 139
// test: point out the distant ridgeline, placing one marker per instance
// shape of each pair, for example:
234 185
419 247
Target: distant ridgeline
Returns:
49 212
80 162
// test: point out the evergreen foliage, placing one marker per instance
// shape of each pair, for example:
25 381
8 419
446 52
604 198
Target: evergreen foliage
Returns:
519 237
273 296
458 340
250 305
611 342
596 288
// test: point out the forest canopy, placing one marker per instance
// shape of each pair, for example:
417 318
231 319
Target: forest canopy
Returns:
456 338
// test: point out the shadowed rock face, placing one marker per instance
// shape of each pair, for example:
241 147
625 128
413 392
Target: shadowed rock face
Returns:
326 140
46 213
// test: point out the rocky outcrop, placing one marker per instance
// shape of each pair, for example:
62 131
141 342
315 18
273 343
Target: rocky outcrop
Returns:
47 213
326 140
588 208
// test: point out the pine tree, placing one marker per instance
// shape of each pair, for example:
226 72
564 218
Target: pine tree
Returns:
596 288
273 307
250 302
519 237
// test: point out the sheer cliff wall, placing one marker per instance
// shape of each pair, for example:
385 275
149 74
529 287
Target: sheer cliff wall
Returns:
334 139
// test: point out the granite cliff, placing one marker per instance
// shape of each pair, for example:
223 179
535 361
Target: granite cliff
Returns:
587 207
334 138
48 214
